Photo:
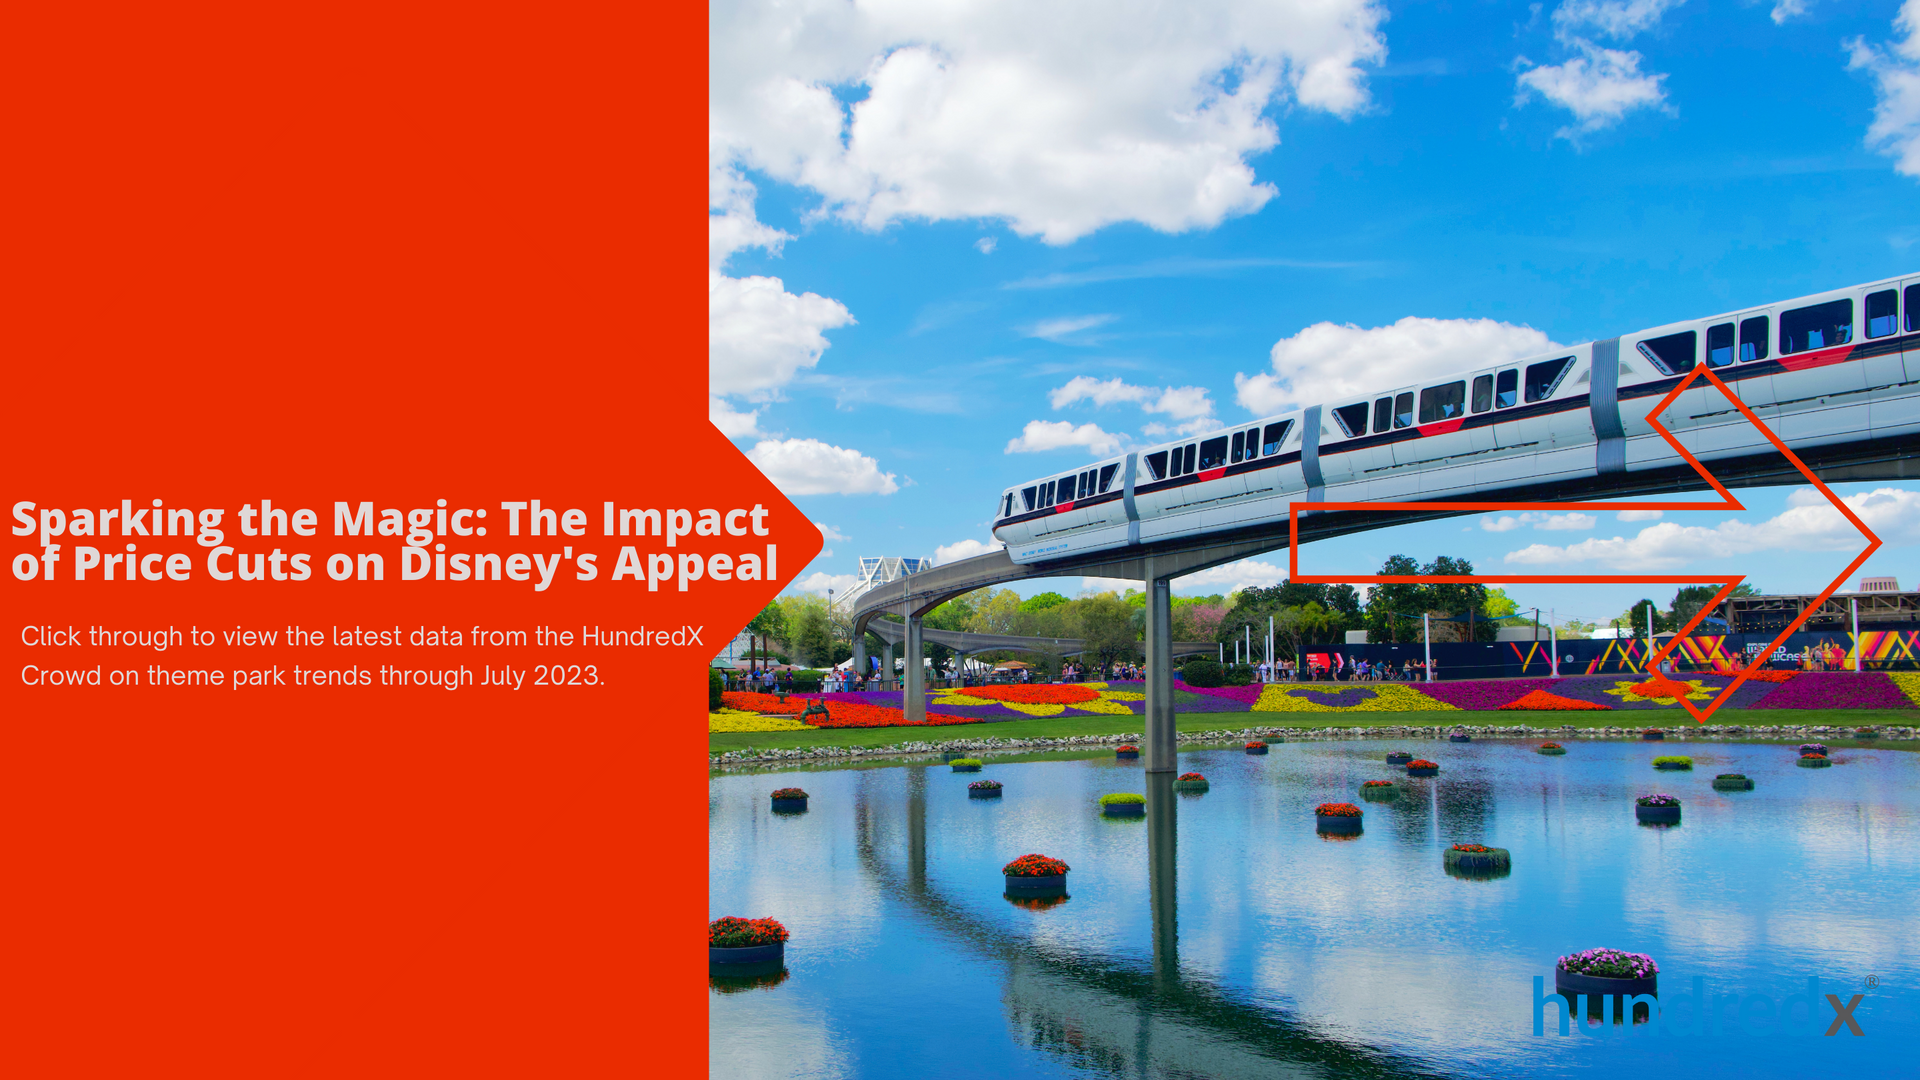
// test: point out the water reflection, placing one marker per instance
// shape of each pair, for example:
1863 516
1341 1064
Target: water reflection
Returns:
1216 938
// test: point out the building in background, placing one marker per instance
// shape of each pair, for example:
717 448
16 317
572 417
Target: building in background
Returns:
875 573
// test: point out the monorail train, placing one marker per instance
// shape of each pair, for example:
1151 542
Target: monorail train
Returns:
1803 366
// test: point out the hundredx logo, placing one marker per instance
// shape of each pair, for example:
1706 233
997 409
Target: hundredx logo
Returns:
1728 502
1722 1014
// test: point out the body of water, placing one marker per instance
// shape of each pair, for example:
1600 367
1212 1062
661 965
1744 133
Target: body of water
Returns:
1222 937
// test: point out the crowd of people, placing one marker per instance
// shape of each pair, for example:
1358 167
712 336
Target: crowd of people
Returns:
1342 669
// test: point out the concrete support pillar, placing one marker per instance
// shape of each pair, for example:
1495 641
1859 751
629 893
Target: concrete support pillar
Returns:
860 653
1163 830
1162 746
915 686
886 665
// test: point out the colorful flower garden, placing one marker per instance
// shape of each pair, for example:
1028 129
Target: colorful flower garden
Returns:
1777 690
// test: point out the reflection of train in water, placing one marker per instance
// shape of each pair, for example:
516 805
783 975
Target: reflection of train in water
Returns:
1835 367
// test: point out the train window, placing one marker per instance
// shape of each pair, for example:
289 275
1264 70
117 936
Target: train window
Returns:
1276 435
1821 326
1065 492
1213 453
1753 338
1239 447
1157 465
1382 415
1046 495
1006 505
1673 354
1883 313
1506 392
1186 464
1443 402
1106 477
1544 377
1029 497
1482 393
1720 345
1913 308
1403 410
1253 443
1353 418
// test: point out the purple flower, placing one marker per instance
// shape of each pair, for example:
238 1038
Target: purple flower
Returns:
1835 690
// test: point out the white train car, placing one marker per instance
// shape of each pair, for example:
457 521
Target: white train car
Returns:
1838 366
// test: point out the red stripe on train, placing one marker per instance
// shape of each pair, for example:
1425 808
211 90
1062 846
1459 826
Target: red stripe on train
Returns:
1211 474
1061 508
1444 427
1817 359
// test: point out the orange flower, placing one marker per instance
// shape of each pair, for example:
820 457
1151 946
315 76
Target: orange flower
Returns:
1040 694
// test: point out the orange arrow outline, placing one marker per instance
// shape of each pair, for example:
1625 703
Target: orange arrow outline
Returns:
1727 501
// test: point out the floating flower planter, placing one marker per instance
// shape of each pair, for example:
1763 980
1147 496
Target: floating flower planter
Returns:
1256 747
1123 804
965 764
732 940
1337 817
1377 790
1478 859
1603 973
1657 809
1813 761
1551 749
1732 781
1399 757
983 789
1458 736
1813 748
1866 734
1673 761
1422 767
789 800
1653 735
1036 876
1191 782
1127 753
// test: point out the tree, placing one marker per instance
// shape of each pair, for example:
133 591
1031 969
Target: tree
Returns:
1574 628
811 636
996 613
1393 610
1197 619
1634 620
1041 601
1498 605
1294 625
771 622
1106 624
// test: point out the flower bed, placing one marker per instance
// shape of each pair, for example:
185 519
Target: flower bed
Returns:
1189 777
1732 781
1191 783
1377 697
755 702
984 785
966 764
1657 800
1617 693
1813 748
1035 866
1398 757
1122 798
1377 784
1836 690
1244 695
843 714
1673 761
1541 701
1484 696
1422 767
789 793
1337 809
1609 964
732 932
1034 694
1814 761
1551 749
1768 675
731 720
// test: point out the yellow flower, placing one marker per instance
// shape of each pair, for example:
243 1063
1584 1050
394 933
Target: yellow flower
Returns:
1696 691
1386 697
1909 684
731 720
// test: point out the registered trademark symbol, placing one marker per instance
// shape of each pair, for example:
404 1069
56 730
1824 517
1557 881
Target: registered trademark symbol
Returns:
1873 982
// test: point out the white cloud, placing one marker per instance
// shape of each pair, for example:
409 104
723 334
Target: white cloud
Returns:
1808 524
1327 361
963 549
1191 427
1638 515
1787 9
759 336
828 532
1043 435
1059 330
1549 522
1056 118
1599 87
1617 19
1108 584
1179 402
820 581
1895 131
1231 578
731 422
985 245
811 467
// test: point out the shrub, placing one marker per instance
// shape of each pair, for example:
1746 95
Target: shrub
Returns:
789 793
732 932
1337 809
716 685
965 761
1202 672
1121 798
1035 866
1238 675
1610 964
1656 800
984 785
1673 761
806 682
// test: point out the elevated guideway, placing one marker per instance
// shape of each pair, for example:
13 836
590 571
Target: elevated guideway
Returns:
968 644
1157 563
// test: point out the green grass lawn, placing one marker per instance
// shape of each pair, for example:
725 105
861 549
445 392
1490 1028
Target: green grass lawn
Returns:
1063 726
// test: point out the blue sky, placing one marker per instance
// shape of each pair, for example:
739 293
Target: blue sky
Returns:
928 222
